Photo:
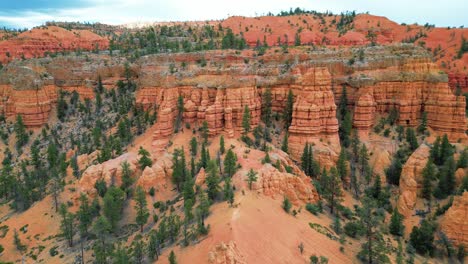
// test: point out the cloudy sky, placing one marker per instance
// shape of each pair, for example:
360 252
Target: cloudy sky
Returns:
29 13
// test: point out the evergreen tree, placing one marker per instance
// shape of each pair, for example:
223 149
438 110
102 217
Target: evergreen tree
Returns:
180 113
205 157
446 185
393 172
205 132
203 210
396 223
246 120
113 205
423 126
188 191
153 246
179 168
341 165
22 136
284 145
145 160
101 229
141 208
138 250
422 238
446 150
228 192
127 179
84 215
345 129
221 145
364 167
411 139
266 103
286 204
212 180
172 258
373 250
67 224
288 111
343 104
435 152
393 116
74 166
332 190
36 156
463 160
251 178
61 106
120 255
230 163
17 241
428 176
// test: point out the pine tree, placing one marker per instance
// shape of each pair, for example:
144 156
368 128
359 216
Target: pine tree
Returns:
332 190
203 210
305 159
343 104
120 254
284 145
101 229
172 258
228 192
447 182
204 157
153 246
446 150
288 111
266 103
411 139
179 167
67 224
251 178
230 163
113 205
22 136
423 126
205 132
180 113
422 238
246 120
286 204
463 160
221 145
374 250
212 180
396 223
142 212
61 106
363 162
341 165
435 152
193 146
127 179
145 160
84 215
188 190
428 176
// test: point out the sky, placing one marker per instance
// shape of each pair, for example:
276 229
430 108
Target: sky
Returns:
30 13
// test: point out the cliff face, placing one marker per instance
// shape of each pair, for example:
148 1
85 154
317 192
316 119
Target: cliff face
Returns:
36 42
454 223
30 88
398 76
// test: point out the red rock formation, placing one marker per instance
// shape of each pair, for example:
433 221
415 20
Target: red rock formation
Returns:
314 111
36 42
274 183
454 223
157 176
411 180
225 254
364 114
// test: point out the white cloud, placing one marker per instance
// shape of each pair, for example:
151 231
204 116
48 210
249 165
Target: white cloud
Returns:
450 12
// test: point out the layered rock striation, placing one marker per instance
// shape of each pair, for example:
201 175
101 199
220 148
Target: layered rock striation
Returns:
454 223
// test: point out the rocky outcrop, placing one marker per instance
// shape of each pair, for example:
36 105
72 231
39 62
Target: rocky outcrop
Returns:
225 254
411 180
274 183
454 223
109 171
157 176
